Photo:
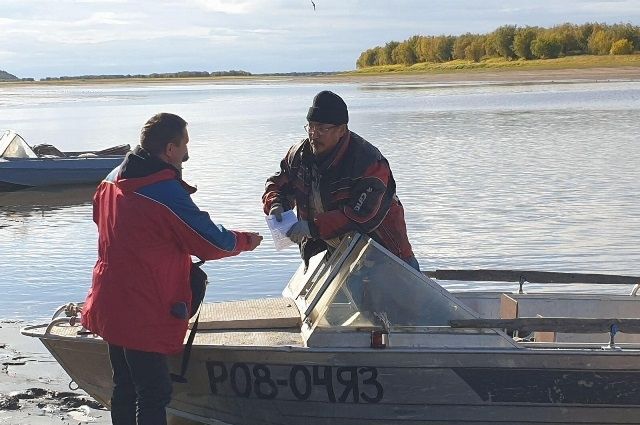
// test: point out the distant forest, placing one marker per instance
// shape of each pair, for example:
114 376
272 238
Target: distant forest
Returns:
181 74
509 42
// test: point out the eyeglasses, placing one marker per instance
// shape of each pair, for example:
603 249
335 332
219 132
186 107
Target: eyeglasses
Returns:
317 130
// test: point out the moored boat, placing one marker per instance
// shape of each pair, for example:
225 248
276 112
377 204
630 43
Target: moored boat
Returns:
360 337
44 165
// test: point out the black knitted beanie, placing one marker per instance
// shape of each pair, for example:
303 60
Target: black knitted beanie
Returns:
328 108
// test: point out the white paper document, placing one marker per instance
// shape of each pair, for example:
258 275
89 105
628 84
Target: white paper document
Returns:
279 229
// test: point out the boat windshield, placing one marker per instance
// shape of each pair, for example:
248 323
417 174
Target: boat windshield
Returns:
14 146
373 287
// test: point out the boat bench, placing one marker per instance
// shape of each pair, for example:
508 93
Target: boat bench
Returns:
514 306
265 313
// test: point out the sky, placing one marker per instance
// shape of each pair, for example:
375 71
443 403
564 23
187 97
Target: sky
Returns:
52 38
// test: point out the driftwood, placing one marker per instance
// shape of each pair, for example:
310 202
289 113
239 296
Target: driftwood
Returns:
531 277
551 324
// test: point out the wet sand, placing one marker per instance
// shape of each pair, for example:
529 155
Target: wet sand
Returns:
34 389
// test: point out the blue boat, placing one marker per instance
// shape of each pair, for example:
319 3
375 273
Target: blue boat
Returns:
22 167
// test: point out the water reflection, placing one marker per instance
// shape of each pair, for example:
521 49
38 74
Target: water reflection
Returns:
17 206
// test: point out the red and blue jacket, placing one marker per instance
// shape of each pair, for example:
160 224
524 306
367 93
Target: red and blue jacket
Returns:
148 228
357 189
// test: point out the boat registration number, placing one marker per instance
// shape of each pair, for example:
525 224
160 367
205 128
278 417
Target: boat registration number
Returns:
349 384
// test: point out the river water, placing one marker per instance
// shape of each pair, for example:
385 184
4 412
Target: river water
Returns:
541 176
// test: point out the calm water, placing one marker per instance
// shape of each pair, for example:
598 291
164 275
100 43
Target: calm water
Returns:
543 176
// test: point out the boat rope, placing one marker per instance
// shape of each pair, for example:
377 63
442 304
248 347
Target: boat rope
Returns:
72 311
72 384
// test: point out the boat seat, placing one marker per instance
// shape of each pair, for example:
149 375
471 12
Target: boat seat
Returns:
542 336
46 150
266 313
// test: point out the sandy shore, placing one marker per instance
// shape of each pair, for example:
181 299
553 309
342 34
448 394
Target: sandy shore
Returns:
34 389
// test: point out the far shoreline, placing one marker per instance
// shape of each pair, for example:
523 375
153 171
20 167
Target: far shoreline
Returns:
595 74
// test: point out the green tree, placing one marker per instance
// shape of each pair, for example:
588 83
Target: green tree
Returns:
461 43
522 42
413 43
424 49
403 54
569 37
503 41
367 58
622 47
474 51
383 55
417 49
546 47
489 44
600 42
443 46
622 31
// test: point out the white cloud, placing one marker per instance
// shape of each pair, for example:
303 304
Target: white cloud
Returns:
104 27
228 6
103 18
629 7
5 54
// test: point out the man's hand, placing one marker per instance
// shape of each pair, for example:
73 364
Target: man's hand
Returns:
254 240
299 231
277 211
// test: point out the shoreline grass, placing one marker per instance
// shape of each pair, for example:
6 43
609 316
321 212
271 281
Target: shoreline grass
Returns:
499 64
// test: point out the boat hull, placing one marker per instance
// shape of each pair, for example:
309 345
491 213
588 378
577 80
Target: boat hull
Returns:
289 385
19 174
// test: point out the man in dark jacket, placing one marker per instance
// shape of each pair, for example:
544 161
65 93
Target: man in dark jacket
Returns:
148 228
338 183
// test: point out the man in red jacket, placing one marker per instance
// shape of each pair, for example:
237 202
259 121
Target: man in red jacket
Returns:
148 228
338 183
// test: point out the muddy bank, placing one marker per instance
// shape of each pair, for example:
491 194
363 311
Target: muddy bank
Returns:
34 389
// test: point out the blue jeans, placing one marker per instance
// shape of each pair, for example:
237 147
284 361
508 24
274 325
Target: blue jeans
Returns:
142 387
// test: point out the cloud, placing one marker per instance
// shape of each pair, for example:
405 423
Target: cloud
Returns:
104 27
228 6
5 54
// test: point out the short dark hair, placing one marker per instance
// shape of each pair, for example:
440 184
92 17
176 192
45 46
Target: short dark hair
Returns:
160 130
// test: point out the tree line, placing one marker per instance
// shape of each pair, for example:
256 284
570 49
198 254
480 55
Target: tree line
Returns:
181 74
509 42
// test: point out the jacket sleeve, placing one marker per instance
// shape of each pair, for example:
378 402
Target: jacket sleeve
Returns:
193 228
279 188
366 208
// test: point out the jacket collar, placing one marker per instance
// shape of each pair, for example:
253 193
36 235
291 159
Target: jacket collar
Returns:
140 168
